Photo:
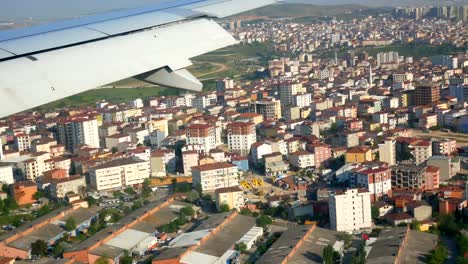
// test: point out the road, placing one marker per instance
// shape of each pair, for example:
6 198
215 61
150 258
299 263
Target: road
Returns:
461 138
451 245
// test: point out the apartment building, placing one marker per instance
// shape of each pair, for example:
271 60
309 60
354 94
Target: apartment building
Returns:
426 94
203 135
387 151
322 153
6 173
119 173
232 196
302 159
422 151
59 188
241 135
79 130
350 210
409 176
215 175
444 146
376 178
269 108
358 154
190 159
287 91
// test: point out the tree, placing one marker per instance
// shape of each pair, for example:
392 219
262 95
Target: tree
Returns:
91 201
129 190
223 208
114 150
58 250
38 195
199 188
245 211
359 256
375 212
187 211
126 258
70 224
462 244
39 248
447 225
415 225
193 196
264 221
102 260
241 247
438 255
328 254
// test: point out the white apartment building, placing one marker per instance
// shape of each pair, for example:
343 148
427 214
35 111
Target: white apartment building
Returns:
387 151
1 150
22 142
60 187
241 135
119 173
302 100
6 173
422 151
201 134
350 210
302 159
215 175
75 131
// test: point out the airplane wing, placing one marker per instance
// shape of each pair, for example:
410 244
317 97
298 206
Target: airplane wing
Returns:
45 63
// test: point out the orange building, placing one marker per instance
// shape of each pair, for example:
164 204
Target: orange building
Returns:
23 192
56 174
451 205
451 192
358 154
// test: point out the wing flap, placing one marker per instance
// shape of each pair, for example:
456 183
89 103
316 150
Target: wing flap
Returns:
65 72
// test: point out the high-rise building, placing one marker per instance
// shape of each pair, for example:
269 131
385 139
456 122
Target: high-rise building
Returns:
203 135
76 131
224 84
241 135
350 210
460 92
287 90
426 94
387 151
269 108
215 176
387 57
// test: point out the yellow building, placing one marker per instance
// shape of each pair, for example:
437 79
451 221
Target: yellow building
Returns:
232 196
160 124
358 154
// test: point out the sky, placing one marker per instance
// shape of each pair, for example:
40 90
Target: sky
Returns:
46 10
59 9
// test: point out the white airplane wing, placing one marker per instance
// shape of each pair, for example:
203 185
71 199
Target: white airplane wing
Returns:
45 63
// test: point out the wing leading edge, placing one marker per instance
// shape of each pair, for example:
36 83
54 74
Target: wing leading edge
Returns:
47 63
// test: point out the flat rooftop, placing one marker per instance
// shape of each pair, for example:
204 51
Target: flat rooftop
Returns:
385 248
44 233
311 251
417 247
229 234
108 251
113 228
163 216
284 245
82 214
36 221
213 221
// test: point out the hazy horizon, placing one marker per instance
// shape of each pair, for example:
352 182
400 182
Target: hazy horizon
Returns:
46 10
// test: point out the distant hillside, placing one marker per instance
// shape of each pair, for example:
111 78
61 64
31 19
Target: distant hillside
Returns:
374 3
304 10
